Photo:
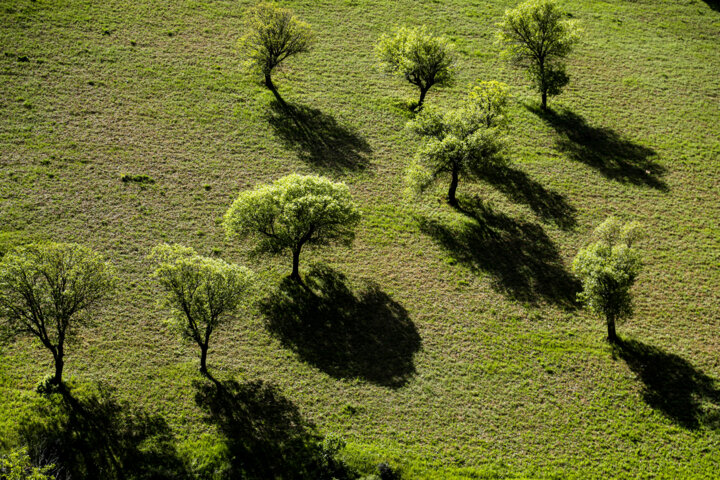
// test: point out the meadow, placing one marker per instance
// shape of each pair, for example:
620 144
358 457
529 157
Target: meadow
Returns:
448 344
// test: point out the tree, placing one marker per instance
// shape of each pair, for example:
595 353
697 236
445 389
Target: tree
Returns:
607 269
49 290
490 98
203 293
293 211
460 142
274 35
538 39
424 60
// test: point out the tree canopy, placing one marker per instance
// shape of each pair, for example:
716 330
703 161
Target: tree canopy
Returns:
293 211
423 59
460 142
607 269
537 38
49 290
273 34
202 292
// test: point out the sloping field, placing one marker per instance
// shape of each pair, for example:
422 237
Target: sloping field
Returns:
453 344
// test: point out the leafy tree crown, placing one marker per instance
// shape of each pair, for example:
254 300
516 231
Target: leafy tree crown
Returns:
423 59
608 268
49 289
292 211
202 292
274 34
458 139
535 30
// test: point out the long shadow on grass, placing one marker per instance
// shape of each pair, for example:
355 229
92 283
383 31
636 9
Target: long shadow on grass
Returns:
93 435
673 385
519 187
605 150
264 432
523 262
348 334
318 138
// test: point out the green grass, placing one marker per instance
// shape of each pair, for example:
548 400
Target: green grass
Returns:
509 379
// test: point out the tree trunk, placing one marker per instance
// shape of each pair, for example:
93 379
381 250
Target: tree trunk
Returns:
59 363
544 100
423 92
203 359
453 187
612 336
295 275
268 82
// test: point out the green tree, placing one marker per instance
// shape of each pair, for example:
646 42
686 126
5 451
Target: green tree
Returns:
491 99
538 39
424 60
274 34
203 293
49 290
16 465
607 269
461 142
293 211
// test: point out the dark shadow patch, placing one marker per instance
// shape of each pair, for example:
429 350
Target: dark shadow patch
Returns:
522 260
96 436
520 188
673 385
714 4
318 138
604 150
265 434
345 333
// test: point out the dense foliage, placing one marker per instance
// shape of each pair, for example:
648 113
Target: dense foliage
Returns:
274 34
607 269
462 142
537 38
294 211
49 291
423 59
203 292
17 465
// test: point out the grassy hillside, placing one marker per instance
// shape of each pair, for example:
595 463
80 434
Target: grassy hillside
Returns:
455 346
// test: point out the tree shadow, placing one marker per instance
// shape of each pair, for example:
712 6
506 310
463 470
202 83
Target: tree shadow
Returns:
519 187
345 333
265 434
522 260
93 435
714 4
673 385
604 150
318 138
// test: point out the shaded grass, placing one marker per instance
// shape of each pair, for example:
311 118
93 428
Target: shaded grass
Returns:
318 137
351 334
673 385
519 256
604 150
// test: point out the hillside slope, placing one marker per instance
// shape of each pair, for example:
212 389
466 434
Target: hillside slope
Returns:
455 346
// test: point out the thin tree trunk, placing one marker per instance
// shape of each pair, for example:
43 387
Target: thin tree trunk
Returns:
544 100
203 359
612 336
453 187
269 83
423 92
295 275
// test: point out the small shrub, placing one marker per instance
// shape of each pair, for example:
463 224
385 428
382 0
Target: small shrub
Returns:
140 179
